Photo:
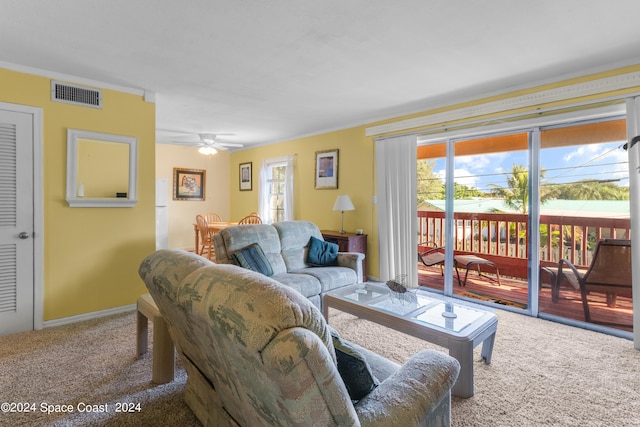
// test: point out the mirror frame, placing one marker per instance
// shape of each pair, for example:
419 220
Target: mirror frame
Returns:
73 135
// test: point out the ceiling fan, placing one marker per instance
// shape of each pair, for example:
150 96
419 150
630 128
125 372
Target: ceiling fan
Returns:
208 143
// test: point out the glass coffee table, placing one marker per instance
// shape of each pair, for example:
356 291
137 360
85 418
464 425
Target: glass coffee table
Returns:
451 323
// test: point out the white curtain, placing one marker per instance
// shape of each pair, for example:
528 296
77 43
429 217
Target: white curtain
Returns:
263 187
397 207
263 192
633 130
288 189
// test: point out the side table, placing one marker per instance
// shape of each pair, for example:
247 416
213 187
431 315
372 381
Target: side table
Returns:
349 242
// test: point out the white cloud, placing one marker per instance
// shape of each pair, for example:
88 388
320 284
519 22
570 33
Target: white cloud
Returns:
464 177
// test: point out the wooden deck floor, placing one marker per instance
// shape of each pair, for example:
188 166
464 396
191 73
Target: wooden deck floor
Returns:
568 306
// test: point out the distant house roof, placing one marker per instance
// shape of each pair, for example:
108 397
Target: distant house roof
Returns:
592 208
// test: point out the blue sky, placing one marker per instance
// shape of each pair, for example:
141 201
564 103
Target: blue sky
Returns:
603 161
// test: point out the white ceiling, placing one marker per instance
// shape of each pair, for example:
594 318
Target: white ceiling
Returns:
271 70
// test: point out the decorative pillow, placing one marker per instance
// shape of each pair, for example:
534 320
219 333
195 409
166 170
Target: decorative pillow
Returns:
322 253
253 258
353 368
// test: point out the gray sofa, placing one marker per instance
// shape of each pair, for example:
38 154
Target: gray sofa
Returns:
258 353
286 245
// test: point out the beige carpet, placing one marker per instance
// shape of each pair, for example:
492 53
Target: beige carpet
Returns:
542 373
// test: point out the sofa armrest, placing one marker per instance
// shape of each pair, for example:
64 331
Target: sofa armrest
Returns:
410 395
354 261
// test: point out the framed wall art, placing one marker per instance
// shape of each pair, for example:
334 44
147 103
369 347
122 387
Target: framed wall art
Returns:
326 169
188 184
245 177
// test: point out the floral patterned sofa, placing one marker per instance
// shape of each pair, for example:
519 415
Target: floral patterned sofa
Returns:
258 353
285 245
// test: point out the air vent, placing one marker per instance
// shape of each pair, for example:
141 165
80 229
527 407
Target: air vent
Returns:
77 95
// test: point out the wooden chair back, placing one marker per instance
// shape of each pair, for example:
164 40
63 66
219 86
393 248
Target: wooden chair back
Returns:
251 219
212 217
206 243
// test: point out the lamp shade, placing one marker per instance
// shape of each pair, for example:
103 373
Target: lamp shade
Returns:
343 203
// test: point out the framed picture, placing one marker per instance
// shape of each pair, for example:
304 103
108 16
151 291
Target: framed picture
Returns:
327 169
245 176
188 184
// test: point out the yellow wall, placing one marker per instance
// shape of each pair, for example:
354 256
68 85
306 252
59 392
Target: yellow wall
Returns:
182 213
91 255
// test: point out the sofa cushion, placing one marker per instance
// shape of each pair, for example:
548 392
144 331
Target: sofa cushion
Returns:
330 277
306 284
241 236
253 258
294 240
322 253
353 368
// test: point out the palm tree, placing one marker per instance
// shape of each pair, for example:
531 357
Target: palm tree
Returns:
516 193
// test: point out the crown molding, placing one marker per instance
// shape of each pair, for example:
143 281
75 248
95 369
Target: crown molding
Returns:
577 90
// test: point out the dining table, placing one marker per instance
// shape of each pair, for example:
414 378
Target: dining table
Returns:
213 227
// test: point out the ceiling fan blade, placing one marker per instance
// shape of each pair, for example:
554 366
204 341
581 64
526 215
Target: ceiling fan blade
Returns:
185 143
230 144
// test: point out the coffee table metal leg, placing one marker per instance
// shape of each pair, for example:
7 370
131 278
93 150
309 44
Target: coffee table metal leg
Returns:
463 352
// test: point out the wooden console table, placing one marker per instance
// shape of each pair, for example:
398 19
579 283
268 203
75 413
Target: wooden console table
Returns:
349 242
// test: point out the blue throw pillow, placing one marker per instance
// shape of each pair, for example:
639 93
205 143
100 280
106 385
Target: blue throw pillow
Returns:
353 368
253 258
322 253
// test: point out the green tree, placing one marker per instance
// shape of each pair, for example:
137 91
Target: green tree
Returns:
516 193
588 189
429 185
464 192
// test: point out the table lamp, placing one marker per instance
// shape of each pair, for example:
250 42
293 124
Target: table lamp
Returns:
343 203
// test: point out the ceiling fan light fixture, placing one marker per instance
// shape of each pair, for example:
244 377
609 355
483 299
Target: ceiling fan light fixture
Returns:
207 137
207 150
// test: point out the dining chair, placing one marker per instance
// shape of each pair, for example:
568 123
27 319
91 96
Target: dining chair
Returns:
212 217
206 242
608 273
251 219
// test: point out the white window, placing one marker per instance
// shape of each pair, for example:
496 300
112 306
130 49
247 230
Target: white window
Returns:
276 190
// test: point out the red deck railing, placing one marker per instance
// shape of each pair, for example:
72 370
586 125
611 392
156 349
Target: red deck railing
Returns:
503 238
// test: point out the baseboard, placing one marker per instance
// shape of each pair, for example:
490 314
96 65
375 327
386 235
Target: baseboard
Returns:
88 316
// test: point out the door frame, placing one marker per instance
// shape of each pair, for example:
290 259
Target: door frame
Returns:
38 209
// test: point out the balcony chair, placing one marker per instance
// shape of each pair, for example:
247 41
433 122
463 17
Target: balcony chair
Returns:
609 273
433 256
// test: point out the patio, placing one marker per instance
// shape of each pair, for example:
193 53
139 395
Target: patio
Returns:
502 238
515 290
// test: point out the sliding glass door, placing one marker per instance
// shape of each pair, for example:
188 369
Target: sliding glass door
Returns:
480 195
503 234
584 191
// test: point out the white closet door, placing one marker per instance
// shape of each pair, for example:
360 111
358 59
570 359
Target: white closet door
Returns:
16 222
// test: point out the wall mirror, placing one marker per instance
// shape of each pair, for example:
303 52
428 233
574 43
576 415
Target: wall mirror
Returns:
102 169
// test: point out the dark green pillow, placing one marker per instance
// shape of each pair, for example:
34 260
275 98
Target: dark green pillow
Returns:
253 258
353 368
322 253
